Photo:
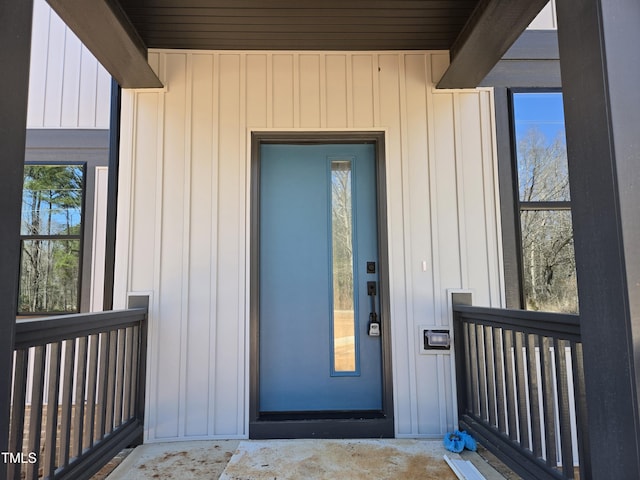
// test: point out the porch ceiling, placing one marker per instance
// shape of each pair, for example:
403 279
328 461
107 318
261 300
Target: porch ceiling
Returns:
298 24
119 32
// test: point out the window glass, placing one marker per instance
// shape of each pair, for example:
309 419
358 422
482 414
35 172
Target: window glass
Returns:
344 339
49 276
541 147
51 229
52 200
548 261
547 256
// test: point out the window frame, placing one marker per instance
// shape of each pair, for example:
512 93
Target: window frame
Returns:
511 205
80 237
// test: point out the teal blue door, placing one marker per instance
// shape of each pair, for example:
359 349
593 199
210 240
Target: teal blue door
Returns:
318 267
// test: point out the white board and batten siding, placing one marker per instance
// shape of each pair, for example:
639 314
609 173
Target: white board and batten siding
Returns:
68 88
184 211
546 19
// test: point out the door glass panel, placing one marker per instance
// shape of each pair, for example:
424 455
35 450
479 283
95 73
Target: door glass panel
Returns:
344 338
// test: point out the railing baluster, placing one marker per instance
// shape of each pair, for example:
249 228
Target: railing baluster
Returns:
468 405
509 366
482 375
534 403
473 356
51 431
120 377
548 403
111 381
523 417
128 366
563 408
66 404
490 361
102 385
499 355
81 385
92 379
16 436
35 414
135 334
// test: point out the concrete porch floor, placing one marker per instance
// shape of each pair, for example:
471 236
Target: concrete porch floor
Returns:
299 460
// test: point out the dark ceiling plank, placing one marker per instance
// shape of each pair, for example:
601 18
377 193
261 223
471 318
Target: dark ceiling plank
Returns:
243 21
107 32
493 27
296 12
403 30
296 36
307 4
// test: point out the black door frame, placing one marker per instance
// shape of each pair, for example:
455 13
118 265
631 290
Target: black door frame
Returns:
315 425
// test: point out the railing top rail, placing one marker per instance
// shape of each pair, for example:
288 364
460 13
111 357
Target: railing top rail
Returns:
562 325
40 331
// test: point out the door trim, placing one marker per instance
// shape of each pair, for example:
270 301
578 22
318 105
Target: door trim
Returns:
332 424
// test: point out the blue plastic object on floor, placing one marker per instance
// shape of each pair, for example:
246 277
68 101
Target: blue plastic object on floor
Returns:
469 441
457 441
454 442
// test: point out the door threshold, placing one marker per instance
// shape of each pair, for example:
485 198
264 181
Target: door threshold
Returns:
322 415
268 428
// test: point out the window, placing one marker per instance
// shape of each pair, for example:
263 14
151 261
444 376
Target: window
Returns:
543 203
342 242
51 238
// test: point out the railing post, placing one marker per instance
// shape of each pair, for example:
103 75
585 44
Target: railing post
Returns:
141 301
602 114
460 352
15 38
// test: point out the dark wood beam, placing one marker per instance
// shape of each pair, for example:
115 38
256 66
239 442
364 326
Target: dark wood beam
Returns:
112 196
15 38
533 61
600 66
492 28
107 32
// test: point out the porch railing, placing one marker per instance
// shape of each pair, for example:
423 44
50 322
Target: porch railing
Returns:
520 382
78 392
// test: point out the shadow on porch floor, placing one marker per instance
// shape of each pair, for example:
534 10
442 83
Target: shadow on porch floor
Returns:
297 459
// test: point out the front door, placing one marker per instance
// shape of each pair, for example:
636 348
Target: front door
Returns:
320 349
